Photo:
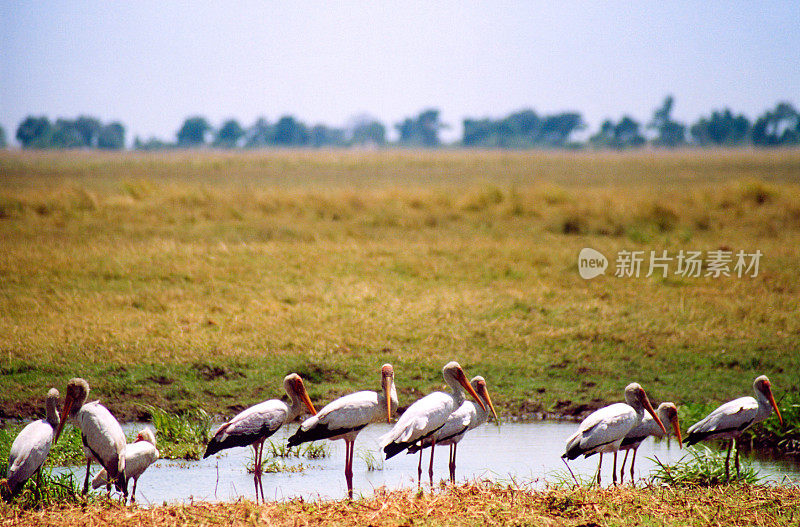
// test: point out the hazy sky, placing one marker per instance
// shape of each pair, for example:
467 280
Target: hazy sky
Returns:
152 64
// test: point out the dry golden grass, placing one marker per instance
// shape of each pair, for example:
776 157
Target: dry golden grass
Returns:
469 504
203 277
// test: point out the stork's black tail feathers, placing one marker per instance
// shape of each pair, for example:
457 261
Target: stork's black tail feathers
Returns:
392 449
319 431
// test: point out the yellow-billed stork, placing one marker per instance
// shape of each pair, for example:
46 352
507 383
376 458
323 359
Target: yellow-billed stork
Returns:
603 430
668 413
345 417
103 439
468 416
138 456
423 418
255 424
734 417
30 448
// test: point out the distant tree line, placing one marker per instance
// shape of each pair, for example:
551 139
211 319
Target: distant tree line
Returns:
83 132
522 129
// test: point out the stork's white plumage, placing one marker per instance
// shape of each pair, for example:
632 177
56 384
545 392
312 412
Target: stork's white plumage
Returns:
30 448
427 415
668 413
345 417
255 424
734 417
138 456
604 429
103 439
468 416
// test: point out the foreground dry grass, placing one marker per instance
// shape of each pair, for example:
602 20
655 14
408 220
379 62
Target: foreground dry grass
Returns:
470 504
202 278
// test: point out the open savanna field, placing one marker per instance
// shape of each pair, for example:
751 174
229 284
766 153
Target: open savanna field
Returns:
200 278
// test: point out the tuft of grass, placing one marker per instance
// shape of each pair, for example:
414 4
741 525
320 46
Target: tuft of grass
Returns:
369 458
275 456
46 489
702 467
316 450
180 436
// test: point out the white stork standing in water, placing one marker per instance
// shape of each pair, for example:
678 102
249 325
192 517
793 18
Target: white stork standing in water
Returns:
423 418
468 416
138 456
103 439
30 448
604 429
255 424
345 417
668 413
734 417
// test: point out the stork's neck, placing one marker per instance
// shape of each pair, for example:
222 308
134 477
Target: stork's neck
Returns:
392 392
636 404
52 411
457 391
652 427
296 406
764 406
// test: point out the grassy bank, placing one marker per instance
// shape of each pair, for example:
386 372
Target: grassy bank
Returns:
189 280
471 504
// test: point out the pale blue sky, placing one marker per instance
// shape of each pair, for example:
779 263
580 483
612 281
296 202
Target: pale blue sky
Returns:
150 64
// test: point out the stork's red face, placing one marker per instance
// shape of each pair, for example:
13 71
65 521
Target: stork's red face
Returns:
461 377
484 393
649 408
672 414
766 388
300 390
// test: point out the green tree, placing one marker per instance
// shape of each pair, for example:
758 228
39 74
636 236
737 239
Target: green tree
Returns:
152 143
229 134
778 127
290 132
721 128
88 128
259 135
111 137
669 133
321 136
3 143
65 134
366 131
556 130
194 132
34 132
422 130
625 134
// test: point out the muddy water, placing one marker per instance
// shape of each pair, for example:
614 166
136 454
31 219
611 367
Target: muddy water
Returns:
528 453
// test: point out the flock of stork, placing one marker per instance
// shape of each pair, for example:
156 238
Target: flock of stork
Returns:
440 418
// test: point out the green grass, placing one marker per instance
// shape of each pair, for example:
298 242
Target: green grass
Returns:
196 279
371 461
180 436
46 489
276 454
702 467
